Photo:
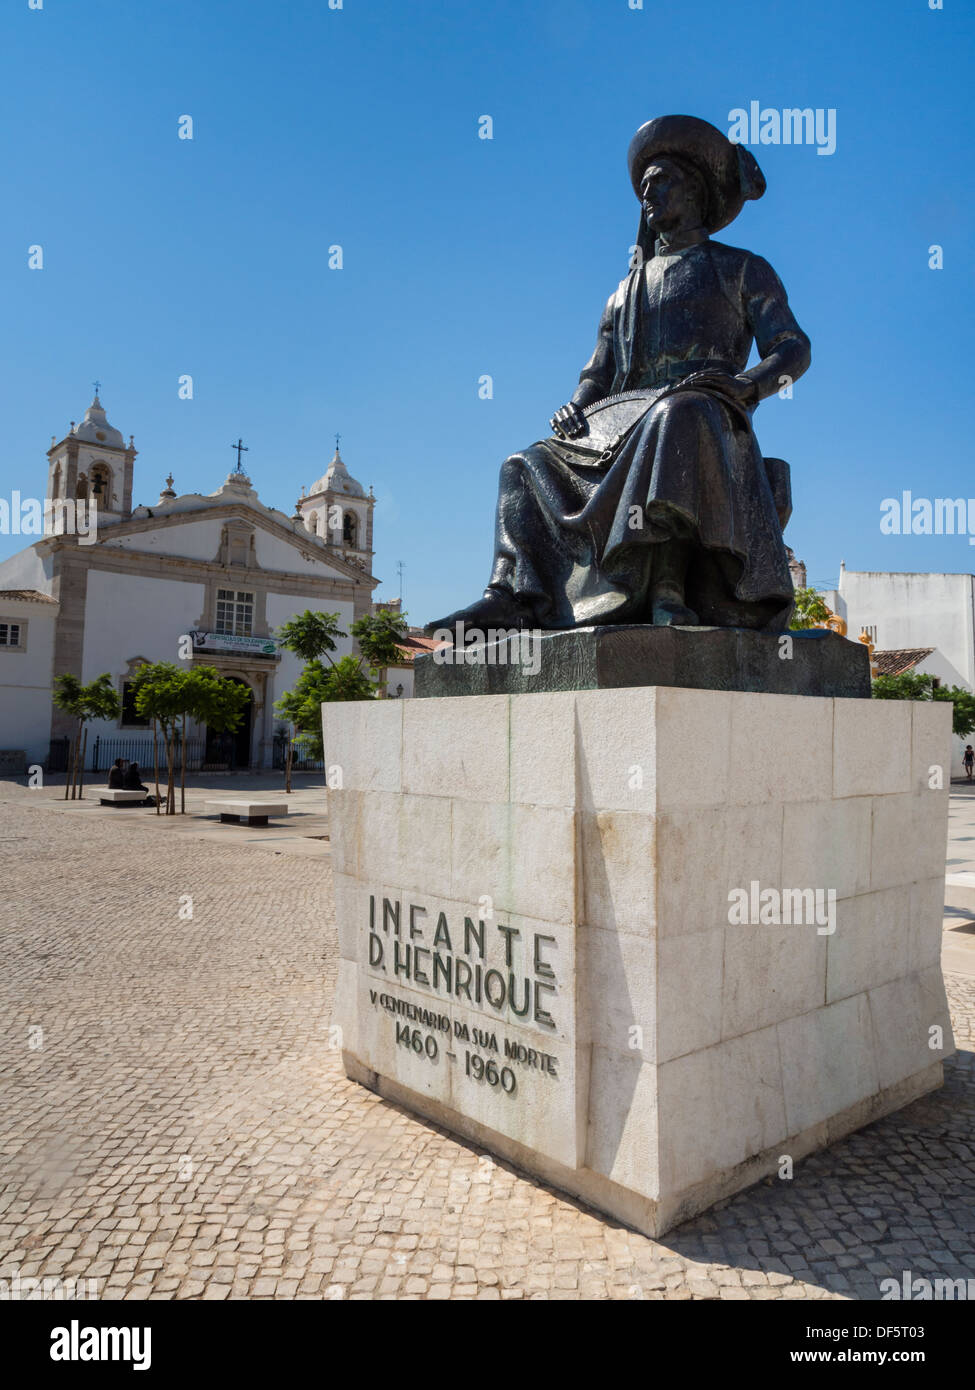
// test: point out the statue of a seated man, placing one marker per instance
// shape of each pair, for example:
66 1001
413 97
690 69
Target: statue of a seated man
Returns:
675 522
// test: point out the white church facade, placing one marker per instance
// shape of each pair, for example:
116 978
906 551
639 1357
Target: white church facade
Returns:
221 568
918 622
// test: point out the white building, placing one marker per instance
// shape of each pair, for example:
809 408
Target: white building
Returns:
28 620
924 623
221 567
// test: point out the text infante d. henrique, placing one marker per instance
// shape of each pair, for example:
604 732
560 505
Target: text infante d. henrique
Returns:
396 946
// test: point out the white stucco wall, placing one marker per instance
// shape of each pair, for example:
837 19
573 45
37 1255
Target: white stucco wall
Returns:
25 680
131 615
273 553
914 610
195 540
25 720
27 570
399 675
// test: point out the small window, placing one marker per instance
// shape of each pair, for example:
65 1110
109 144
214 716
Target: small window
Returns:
235 612
10 635
130 714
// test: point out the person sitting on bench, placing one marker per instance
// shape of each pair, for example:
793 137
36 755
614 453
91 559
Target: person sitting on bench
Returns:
116 776
132 782
132 778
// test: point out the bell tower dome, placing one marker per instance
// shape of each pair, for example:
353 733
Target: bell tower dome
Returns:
338 511
92 463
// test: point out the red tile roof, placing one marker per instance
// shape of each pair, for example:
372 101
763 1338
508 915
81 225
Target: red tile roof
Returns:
900 660
414 645
27 596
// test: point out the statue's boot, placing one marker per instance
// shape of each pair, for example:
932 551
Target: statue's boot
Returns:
673 612
668 608
497 608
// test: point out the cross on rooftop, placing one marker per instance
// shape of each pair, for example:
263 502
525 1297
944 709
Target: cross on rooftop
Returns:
241 448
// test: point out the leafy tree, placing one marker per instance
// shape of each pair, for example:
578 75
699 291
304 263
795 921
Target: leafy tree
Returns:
213 700
316 686
347 681
907 687
96 700
962 708
379 636
912 686
302 709
311 636
169 694
157 696
810 610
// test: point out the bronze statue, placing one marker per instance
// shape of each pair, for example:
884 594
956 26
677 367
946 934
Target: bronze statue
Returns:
652 503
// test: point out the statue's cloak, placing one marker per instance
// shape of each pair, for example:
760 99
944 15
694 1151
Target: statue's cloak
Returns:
576 531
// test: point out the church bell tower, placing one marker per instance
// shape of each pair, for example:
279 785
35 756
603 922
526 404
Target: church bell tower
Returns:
338 511
93 463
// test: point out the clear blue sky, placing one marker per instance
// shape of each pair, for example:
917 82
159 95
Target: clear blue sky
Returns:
463 256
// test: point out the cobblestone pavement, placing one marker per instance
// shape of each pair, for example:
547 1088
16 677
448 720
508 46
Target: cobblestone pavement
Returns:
185 1130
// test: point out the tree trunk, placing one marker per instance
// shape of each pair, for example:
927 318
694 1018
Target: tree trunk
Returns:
74 762
182 774
171 771
287 765
81 766
155 759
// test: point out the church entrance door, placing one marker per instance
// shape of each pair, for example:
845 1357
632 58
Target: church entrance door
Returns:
219 745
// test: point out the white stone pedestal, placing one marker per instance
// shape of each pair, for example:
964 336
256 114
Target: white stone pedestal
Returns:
540 902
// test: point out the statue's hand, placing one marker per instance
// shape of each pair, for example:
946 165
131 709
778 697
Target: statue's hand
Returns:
740 389
569 421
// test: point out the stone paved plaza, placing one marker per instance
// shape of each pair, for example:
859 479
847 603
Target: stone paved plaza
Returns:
181 1126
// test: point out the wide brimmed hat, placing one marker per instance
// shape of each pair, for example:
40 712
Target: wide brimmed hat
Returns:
730 171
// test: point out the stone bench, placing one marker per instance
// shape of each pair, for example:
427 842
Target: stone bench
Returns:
246 812
115 796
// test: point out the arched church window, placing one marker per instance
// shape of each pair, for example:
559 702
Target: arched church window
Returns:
81 491
101 474
56 481
350 529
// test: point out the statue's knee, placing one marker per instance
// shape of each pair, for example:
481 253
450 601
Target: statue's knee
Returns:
686 403
513 471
